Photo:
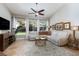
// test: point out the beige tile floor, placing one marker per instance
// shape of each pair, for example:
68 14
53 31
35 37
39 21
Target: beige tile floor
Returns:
28 48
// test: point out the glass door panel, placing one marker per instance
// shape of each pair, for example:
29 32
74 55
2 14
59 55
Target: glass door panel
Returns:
43 25
32 25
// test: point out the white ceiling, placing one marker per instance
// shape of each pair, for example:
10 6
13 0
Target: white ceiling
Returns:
24 8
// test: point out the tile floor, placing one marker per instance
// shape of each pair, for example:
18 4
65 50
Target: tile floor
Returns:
28 48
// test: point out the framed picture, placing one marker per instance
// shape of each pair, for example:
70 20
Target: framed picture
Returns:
59 26
53 27
67 26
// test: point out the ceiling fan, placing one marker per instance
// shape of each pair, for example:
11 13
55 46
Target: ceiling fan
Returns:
37 12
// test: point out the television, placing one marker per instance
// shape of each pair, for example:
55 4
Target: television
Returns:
4 24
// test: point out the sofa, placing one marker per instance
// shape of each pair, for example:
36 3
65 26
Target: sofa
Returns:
59 38
32 35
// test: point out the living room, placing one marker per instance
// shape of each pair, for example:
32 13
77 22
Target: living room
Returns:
39 29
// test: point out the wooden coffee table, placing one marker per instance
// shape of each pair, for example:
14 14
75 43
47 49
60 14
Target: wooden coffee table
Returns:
40 41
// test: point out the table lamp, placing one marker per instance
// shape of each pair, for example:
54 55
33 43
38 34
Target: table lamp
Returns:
74 28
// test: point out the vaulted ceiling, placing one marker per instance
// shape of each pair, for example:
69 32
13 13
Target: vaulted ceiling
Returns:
25 8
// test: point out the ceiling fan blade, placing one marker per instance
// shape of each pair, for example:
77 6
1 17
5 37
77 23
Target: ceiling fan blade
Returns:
41 10
33 10
41 14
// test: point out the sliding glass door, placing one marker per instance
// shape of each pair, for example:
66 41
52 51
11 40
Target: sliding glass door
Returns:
34 26
20 29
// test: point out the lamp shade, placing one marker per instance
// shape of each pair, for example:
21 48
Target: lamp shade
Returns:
74 27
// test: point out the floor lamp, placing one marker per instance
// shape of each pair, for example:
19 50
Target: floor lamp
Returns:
75 43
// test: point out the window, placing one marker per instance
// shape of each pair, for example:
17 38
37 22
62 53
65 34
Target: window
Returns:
43 25
32 25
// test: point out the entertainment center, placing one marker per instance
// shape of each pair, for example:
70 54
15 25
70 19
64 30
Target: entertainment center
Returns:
6 36
6 39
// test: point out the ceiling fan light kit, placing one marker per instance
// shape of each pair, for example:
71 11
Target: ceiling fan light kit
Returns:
37 14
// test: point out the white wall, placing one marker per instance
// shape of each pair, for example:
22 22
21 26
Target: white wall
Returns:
68 13
4 13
